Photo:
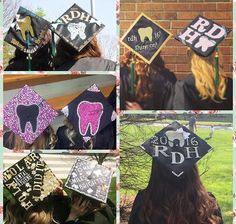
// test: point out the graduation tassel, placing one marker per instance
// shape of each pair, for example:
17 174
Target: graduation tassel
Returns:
53 46
29 55
132 75
217 80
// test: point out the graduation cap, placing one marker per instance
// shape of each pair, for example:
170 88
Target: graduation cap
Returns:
89 179
27 31
176 148
77 27
203 36
30 180
27 114
90 112
145 38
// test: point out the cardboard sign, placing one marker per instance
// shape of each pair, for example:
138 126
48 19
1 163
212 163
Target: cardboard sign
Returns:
27 31
176 148
27 114
145 38
77 27
90 180
30 180
203 35
90 112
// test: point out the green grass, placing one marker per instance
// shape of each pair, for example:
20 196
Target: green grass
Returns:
218 179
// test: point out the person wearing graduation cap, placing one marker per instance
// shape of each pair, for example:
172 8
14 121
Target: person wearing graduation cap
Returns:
145 81
175 193
27 118
38 195
78 48
207 87
90 122
90 186
31 37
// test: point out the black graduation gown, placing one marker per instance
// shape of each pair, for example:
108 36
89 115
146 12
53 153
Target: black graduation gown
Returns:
88 64
163 90
134 216
187 97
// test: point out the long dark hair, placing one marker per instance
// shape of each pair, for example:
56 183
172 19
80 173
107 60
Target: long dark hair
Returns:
144 72
171 201
66 53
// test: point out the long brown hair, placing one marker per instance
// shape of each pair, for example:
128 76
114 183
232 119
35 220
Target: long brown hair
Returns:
204 71
38 214
144 87
47 140
66 52
182 201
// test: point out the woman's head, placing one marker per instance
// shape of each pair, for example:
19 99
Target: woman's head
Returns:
38 214
179 201
204 71
144 86
66 53
93 204
47 140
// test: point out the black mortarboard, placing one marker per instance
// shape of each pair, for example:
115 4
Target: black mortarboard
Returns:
203 35
30 180
145 38
77 27
176 148
27 114
27 31
89 179
90 112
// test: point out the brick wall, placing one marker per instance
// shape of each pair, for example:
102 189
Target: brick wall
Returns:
174 15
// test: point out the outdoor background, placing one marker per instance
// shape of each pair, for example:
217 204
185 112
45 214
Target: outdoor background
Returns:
215 168
52 10
174 15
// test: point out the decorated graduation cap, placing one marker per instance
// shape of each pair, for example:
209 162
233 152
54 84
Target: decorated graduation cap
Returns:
145 38
89 179
77 27
203 36
30 180
90 112
176 148
27 114
27 31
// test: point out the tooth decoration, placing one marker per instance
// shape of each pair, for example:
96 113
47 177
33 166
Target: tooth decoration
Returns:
89 117
145 33
27 114
176 148
91 180
145 38
174 135
77 27
36 26
90 112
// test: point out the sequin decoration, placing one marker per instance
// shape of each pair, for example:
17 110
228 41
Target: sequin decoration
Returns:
27 114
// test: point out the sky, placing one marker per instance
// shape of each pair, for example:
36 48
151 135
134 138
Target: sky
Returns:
105 10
